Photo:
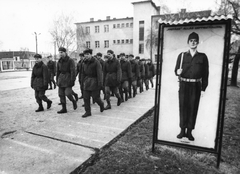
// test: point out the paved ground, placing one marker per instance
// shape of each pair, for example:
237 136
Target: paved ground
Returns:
47 142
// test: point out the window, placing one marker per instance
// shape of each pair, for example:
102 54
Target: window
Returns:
88 44
96 29
118 41
114 41
123 25
118 25
114 25
141 30
131 24
106 44
131 41
127 41
106 28
87 30
127 24
141 48
97 45
122 41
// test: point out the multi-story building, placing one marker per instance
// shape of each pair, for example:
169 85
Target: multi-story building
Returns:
129 35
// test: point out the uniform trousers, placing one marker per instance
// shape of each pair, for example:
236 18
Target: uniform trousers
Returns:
96 97
108 90
63 92
40 95
189 97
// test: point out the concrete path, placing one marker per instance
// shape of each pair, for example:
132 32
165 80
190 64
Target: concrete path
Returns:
61 143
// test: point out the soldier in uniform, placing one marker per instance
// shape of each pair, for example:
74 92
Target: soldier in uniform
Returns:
146 76
79 72
92 79
141 74
102 62
135 75
66 77
52 71
152 71
126 76
112 78
39 82
192 68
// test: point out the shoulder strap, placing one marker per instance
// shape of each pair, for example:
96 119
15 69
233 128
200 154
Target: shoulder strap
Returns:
181 61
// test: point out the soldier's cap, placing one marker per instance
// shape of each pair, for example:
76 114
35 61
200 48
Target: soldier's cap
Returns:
38 56
137 57
99 54
142 59
193 35
122 54
130 55
110 51
81 54
87 51
62 49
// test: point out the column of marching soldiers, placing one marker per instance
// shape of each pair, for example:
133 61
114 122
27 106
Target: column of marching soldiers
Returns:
120 76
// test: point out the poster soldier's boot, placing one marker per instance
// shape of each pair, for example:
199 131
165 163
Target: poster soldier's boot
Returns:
108 105
181 134
40 108
63 110
189 135
49 104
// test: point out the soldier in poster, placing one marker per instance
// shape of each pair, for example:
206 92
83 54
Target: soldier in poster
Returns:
192 68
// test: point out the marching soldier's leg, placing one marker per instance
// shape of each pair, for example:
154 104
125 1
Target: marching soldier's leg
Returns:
134 84
39 101
116 92
61 94
43 97
107 93
69 94
96 97
86 98
126 88
130 89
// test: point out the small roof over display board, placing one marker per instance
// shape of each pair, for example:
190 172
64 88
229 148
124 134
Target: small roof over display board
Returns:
170 20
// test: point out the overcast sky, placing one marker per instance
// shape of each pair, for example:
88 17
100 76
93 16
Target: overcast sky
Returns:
19 19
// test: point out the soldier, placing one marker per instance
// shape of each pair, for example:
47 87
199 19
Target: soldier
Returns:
192 69
152 71
65 79
52 71
102 62
79 72
112 78
135 75
141 74
146 76
92 82
39 82
126 76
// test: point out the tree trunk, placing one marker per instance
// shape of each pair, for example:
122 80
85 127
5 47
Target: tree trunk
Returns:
235 69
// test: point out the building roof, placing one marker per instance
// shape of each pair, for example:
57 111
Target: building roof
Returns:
188 19
99 20
147 1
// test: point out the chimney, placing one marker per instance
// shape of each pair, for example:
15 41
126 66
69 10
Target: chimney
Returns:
183 10
108 18
91 19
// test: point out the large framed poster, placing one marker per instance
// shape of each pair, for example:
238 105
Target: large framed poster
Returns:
191 85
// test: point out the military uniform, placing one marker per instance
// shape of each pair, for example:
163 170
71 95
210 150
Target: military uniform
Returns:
152 72
52 72
126 77
135 76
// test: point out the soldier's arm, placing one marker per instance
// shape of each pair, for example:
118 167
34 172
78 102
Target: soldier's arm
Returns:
205 73
45 76
72 70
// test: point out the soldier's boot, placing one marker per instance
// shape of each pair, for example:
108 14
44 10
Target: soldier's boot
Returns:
101 104
87 114
74 104
49 104
108 105
75 96
40 108
189 135
63 110
130 93
50 85
121 95
181 134
134 92
54 83
119 101
126 96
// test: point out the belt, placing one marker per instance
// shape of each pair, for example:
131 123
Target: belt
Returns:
189 80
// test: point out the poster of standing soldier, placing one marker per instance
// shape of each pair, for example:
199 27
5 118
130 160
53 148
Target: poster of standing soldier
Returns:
192 84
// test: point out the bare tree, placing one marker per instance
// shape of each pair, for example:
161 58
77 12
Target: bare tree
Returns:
233 7
63 33
82 36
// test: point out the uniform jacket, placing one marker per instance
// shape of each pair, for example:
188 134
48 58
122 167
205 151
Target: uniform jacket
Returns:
146 67
135 70
39 78
51 67
195 67
112 72
152 70
92 74
126 70
79 70
141 70
66 72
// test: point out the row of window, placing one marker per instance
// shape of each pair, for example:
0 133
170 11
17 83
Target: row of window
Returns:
106 43
106 27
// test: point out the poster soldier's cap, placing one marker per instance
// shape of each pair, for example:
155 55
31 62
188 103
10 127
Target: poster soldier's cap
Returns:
62 49
87 51
38 56
193 35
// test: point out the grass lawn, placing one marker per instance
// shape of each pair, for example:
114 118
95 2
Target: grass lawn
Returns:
131 152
